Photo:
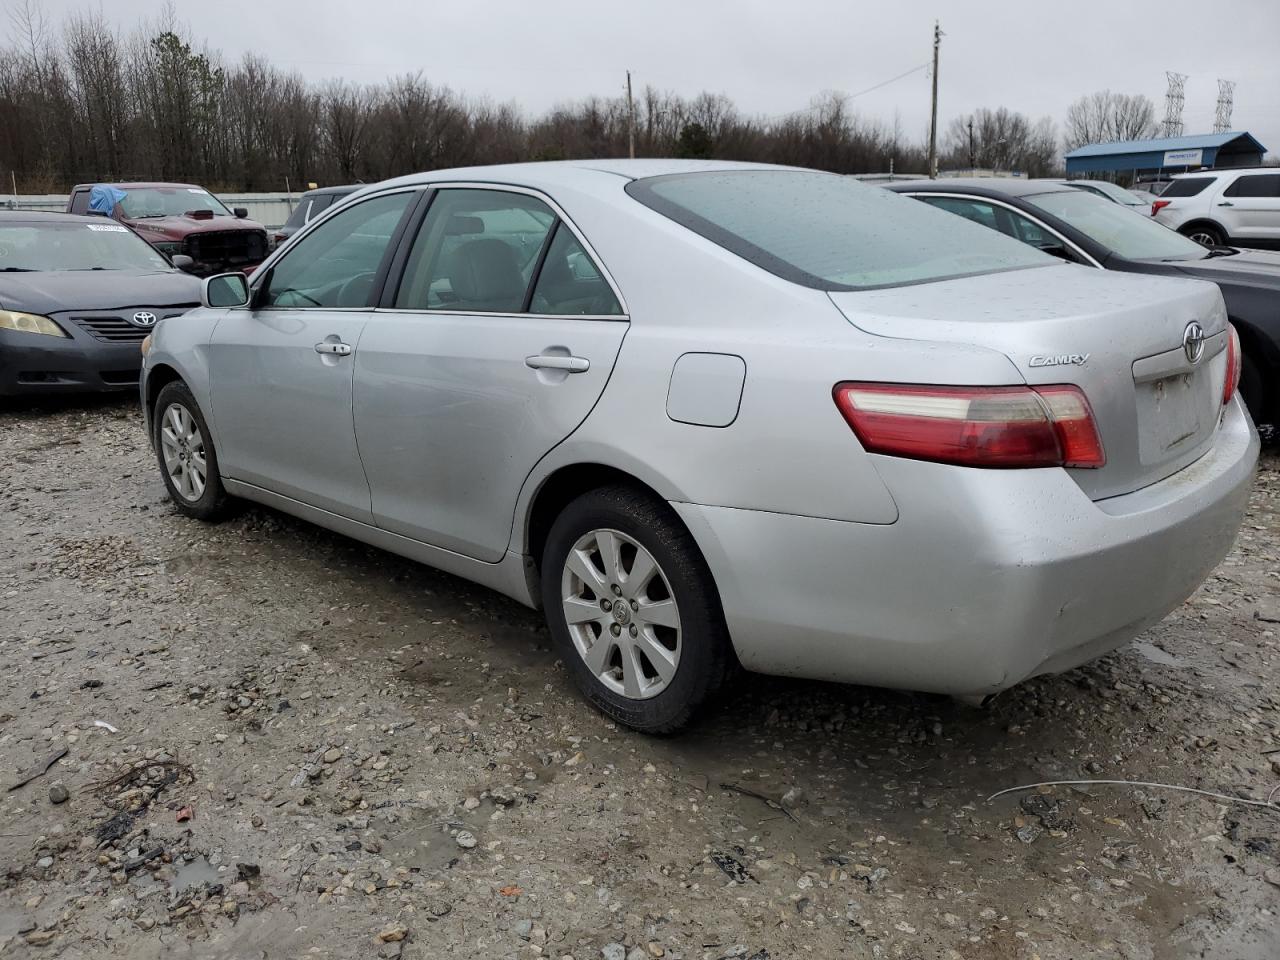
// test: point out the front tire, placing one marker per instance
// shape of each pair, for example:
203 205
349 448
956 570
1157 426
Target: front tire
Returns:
633 609
184 450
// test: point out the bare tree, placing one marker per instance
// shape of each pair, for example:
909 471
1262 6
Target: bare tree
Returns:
1106 117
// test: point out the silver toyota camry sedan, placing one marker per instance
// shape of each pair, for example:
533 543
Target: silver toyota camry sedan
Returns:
711 415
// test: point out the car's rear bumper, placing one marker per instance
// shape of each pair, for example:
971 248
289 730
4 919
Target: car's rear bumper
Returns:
987 578
39 365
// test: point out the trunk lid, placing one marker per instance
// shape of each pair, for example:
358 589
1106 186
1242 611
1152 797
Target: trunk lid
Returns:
1119 337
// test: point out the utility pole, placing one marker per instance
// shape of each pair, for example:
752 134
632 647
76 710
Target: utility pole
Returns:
933 113
631 120
973 162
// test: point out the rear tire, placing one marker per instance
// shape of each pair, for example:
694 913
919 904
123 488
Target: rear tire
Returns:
1205 234
633 609
184 450
1253 391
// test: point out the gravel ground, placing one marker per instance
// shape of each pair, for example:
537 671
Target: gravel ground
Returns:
274 742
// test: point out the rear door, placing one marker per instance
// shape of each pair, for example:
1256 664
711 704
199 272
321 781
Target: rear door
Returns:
1250 207
280 372
495 346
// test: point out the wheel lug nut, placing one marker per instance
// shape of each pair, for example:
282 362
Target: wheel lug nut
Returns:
606 605
634 605
615 630
617 590
634 631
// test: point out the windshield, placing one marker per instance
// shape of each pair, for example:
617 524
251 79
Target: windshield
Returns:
1124 232
142 202
75 246
831 232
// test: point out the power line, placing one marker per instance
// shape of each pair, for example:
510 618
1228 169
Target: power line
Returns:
885 83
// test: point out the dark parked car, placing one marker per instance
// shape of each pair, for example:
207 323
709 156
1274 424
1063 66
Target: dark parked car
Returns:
77 297
179 219
1086 229
310 205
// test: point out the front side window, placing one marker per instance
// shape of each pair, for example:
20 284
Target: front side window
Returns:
140 203
1264 185
335 265
26 247
1119 230
830 232
477 252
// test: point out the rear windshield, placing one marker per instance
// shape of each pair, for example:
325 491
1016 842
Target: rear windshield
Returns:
831 232
1122 231
1186 188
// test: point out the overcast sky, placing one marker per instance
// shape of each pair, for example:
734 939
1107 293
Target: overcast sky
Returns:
769 56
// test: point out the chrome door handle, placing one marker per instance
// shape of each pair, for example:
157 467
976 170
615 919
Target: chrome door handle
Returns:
338 349
542 361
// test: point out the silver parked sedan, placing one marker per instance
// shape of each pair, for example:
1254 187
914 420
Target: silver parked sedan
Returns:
710 414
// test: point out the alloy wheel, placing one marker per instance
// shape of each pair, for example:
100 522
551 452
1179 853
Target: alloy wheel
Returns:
621 613
182 446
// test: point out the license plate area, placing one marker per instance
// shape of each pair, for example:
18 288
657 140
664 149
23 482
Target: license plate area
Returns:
1174 412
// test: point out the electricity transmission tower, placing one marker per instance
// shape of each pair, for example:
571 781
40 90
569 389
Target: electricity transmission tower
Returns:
1226 100
1173 101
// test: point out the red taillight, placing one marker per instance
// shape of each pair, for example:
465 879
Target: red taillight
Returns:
1158 205
1233 365
974 426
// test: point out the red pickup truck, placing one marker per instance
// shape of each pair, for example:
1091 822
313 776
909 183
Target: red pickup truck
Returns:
179 218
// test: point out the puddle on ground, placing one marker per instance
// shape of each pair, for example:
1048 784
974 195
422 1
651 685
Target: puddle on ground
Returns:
198 871
1153 653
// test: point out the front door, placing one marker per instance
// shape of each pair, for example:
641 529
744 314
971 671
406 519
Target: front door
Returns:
1250 207
280 370
496 345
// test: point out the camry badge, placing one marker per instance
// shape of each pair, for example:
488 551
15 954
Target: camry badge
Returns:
144 319
1193 342
1058 360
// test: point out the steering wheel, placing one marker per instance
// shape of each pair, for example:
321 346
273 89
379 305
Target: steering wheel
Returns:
355 292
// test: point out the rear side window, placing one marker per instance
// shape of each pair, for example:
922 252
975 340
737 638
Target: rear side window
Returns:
80 202
830 232
1188 187
570 283
476 252
1262 185
301 214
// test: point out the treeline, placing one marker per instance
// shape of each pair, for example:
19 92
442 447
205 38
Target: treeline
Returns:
81 102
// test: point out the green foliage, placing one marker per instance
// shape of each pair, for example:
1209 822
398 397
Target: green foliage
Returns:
695 142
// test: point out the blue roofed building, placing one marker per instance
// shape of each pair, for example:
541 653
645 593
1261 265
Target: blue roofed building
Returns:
1168 154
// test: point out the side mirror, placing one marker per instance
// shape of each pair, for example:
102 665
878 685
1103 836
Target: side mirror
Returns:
182 262
225 290
240 212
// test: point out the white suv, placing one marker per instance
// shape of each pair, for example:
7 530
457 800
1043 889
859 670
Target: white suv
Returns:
1221 207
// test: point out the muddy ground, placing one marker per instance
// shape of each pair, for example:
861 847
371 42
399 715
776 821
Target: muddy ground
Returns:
312 743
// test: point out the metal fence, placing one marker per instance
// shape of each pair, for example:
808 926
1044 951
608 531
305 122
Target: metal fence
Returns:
269 209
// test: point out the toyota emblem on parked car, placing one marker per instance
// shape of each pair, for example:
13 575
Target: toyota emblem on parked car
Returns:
1193 342
144 319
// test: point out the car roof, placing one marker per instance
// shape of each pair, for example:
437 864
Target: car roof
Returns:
39 216
995 187
1225 171
344 188
139 185
553 173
